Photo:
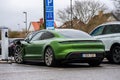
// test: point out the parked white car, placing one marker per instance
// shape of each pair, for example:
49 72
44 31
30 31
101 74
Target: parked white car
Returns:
109 33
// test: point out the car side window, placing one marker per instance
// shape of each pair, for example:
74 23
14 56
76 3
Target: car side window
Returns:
110 29
37 36
29 36
97 31
47 35
117 28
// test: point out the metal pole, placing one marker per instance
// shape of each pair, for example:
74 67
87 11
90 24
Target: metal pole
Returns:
44 8
25 20
71 13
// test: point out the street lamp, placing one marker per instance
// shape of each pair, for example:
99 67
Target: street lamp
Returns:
25 20
18 27
44 8
71 13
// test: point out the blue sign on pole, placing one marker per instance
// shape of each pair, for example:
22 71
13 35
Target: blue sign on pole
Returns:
49 8
50 23
49 14
49 2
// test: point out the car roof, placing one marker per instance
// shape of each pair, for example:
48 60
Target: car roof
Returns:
112 22
56 30
107 23
15 38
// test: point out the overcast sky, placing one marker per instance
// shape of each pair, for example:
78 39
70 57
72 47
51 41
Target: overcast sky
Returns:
11 11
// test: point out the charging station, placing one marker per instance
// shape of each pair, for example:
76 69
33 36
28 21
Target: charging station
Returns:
4 43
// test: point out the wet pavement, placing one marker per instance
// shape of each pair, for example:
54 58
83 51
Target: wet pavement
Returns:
38 71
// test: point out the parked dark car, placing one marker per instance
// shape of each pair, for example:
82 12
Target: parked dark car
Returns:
11 46
12 42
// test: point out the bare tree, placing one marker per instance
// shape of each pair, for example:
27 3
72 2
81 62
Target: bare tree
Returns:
64 15
116 13
82 10
85 10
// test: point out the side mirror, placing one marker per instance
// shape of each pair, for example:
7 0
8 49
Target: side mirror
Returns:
27 40
17 42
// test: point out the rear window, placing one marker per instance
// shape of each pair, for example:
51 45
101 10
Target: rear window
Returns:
74 34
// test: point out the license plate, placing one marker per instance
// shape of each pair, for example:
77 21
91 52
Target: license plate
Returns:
88 55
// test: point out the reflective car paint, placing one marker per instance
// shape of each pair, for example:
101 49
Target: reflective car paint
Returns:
62 46
51 46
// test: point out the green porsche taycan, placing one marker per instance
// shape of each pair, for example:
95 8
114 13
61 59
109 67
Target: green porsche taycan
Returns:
60 45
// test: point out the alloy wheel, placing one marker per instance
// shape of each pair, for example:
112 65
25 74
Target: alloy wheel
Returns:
49 57
18 54
116 54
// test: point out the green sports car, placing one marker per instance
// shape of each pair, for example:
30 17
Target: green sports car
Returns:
60 45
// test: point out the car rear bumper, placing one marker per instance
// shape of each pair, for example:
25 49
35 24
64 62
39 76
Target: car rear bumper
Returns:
78 57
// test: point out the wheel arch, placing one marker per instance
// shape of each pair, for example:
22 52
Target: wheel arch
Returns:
113 45
47 47
45 50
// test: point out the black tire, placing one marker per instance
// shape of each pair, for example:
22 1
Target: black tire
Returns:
49 57
95 63
109 58
115 54
18 54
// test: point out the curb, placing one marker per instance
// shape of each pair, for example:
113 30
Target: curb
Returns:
3 61
6 61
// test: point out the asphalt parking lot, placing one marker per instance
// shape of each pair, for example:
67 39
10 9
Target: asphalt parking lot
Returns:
38 71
